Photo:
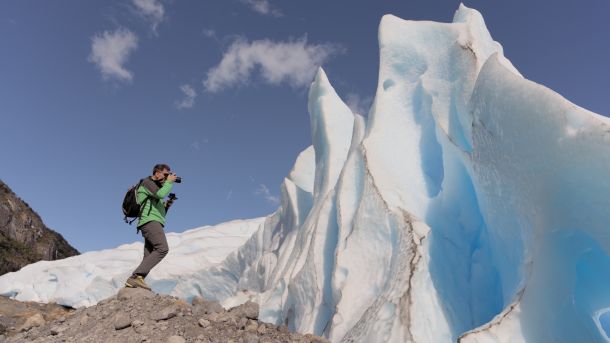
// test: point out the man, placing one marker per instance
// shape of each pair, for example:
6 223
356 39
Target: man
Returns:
150 196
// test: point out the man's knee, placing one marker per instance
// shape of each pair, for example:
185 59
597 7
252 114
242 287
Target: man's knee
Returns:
163 250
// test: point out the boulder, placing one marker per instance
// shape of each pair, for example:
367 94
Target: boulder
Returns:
249 310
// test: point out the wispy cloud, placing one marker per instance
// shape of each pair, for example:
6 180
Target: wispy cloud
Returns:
210 33
189 97
230 194
263 7
358 104
110 51
263 191
151 10
196 145
292 62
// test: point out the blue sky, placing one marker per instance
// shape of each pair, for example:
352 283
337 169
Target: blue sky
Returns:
94 93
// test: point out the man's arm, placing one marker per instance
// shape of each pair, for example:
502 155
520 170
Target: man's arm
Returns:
164 191
154 191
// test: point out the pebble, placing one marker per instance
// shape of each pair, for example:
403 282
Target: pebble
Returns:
204 323
176 339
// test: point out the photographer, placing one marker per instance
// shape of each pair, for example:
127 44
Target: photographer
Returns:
151 221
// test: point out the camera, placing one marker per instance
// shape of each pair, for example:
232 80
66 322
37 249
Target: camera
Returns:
178 178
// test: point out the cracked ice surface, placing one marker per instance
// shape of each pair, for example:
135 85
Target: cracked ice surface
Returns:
470 205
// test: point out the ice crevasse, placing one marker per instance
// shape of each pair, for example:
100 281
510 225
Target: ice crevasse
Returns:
470 205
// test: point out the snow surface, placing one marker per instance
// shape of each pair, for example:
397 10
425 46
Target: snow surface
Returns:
469 205
85 279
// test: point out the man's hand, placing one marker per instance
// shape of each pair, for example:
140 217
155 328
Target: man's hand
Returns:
169 203
171 177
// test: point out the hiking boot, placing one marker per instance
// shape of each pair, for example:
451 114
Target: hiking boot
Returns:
137 281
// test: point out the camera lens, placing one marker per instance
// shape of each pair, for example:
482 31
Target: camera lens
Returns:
178 179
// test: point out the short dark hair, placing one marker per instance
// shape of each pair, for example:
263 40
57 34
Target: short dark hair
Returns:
160 167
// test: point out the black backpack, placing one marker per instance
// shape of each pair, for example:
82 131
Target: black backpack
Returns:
131 208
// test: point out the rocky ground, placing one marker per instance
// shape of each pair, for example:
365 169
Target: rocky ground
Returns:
137 315
15 316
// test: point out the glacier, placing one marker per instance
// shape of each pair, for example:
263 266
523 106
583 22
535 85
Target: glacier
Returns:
469 205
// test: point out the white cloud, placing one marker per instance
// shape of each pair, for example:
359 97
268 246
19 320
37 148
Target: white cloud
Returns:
358 104
263 191
151 10
189 97
263 7
110 51
293 62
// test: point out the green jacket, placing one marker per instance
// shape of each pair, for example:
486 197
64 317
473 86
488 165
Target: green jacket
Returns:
155 194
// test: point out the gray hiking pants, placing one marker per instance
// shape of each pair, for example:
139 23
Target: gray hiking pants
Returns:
155 247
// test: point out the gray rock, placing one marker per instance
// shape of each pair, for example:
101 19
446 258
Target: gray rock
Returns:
32 321
204 323
250 337
206 307
56 330
262 329
252 326
248 310
198 300
242 323
84 319
219 317
176 339
121 320
166 313
142 329
134 294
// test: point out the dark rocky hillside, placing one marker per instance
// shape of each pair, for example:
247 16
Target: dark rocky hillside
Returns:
24 238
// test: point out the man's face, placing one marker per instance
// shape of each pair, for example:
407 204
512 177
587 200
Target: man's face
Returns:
160 175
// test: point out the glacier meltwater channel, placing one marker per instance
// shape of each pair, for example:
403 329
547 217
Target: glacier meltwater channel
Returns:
470 205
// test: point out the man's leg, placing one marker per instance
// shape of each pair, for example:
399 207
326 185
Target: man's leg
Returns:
148 247
155 244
